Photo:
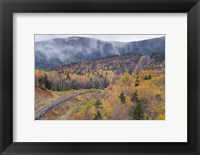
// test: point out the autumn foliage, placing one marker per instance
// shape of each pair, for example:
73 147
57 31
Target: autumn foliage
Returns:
116 93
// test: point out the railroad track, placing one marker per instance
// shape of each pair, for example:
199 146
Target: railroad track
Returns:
48 107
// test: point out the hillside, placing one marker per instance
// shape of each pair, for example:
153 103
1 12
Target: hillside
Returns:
99 73
122 87
118 64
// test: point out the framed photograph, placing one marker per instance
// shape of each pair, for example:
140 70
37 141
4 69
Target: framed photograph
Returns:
106 77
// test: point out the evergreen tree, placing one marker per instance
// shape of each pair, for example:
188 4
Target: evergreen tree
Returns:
44 83
105 82
98 115
122 98
58 88
98 104
40 81
147 77
137 81
48 84
45 78
135 98
138 112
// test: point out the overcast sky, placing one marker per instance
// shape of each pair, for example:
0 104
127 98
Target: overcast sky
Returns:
121 38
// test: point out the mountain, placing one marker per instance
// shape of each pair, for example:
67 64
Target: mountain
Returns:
52 53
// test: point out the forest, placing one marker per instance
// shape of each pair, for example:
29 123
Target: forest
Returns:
120 87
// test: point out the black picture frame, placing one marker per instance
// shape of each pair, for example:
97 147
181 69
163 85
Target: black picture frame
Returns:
8 7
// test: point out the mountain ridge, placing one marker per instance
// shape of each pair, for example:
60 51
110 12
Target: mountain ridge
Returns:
59 51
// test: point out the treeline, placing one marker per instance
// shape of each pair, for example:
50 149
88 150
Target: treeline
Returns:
64 84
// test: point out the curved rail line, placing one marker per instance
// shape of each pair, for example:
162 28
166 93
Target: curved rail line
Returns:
41 112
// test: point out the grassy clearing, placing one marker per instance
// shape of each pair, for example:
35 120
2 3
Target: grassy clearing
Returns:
44 97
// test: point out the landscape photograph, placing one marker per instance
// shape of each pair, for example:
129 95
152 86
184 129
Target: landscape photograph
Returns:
99 77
